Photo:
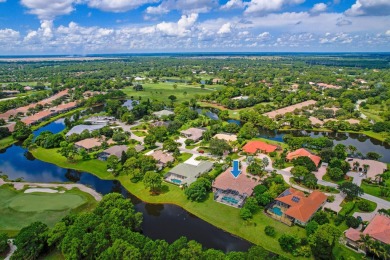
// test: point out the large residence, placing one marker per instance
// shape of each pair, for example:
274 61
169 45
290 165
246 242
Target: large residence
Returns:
115 150
100 120
292 206
187 173
227 137
303 152
253 147
162 113
88 144
369 167
290 109
378 229
162 158
194 134
233 191
78 129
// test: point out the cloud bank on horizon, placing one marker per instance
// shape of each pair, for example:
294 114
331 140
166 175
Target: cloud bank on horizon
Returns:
120 26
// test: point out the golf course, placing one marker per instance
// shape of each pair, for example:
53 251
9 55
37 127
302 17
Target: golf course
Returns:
18 209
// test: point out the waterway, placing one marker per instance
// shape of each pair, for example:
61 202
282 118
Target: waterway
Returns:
161 221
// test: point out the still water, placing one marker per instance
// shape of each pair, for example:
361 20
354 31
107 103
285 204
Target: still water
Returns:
161 221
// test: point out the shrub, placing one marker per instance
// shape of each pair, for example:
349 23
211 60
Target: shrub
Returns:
330 198
364 205
3 242
352 222
311 227
269 231
339 219
347 208
288 243
321 217
245 214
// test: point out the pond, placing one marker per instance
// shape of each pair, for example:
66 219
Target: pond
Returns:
161 221
363 143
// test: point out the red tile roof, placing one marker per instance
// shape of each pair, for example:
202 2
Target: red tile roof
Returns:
254 146
242 183
302 208
379 229
303 152
352 234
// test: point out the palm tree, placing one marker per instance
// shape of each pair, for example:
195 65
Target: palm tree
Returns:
365 241
365 167
356 165
352 149
378 178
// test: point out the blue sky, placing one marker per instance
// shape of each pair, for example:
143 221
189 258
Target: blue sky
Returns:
133 26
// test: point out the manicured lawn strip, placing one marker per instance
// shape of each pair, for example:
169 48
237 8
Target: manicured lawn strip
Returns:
220 215
373 190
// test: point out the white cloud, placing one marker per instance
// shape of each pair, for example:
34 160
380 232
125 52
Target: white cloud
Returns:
181 28
387 32
49 9
225 28
234 4
8 36
369 7
318 8
185 6
265 6
118 5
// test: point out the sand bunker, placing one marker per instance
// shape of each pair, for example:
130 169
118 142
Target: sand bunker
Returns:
45 190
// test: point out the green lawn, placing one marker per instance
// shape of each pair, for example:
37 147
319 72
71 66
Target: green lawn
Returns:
373 190
18 209
161 91
140 133
220 215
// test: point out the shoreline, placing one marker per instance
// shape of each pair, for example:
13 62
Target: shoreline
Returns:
200 210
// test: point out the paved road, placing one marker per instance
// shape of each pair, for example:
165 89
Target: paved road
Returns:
380 202
127 128
358 108
12 251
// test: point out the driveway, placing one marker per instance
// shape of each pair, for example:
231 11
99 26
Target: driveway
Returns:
269 166
357 179
127 128
320 172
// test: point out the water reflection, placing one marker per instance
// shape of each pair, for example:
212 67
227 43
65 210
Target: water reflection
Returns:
161 221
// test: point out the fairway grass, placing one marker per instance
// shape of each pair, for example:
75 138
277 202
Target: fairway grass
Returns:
161 91
40 202
18 209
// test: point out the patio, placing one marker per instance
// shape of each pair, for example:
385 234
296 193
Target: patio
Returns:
230 198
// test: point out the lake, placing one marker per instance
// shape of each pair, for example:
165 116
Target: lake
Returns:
363 143
161 221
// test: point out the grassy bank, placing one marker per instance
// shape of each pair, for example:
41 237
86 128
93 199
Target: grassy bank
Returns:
220 215
5 142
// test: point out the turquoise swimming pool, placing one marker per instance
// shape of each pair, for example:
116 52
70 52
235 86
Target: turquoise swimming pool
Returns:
277 211
230 200
176 181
